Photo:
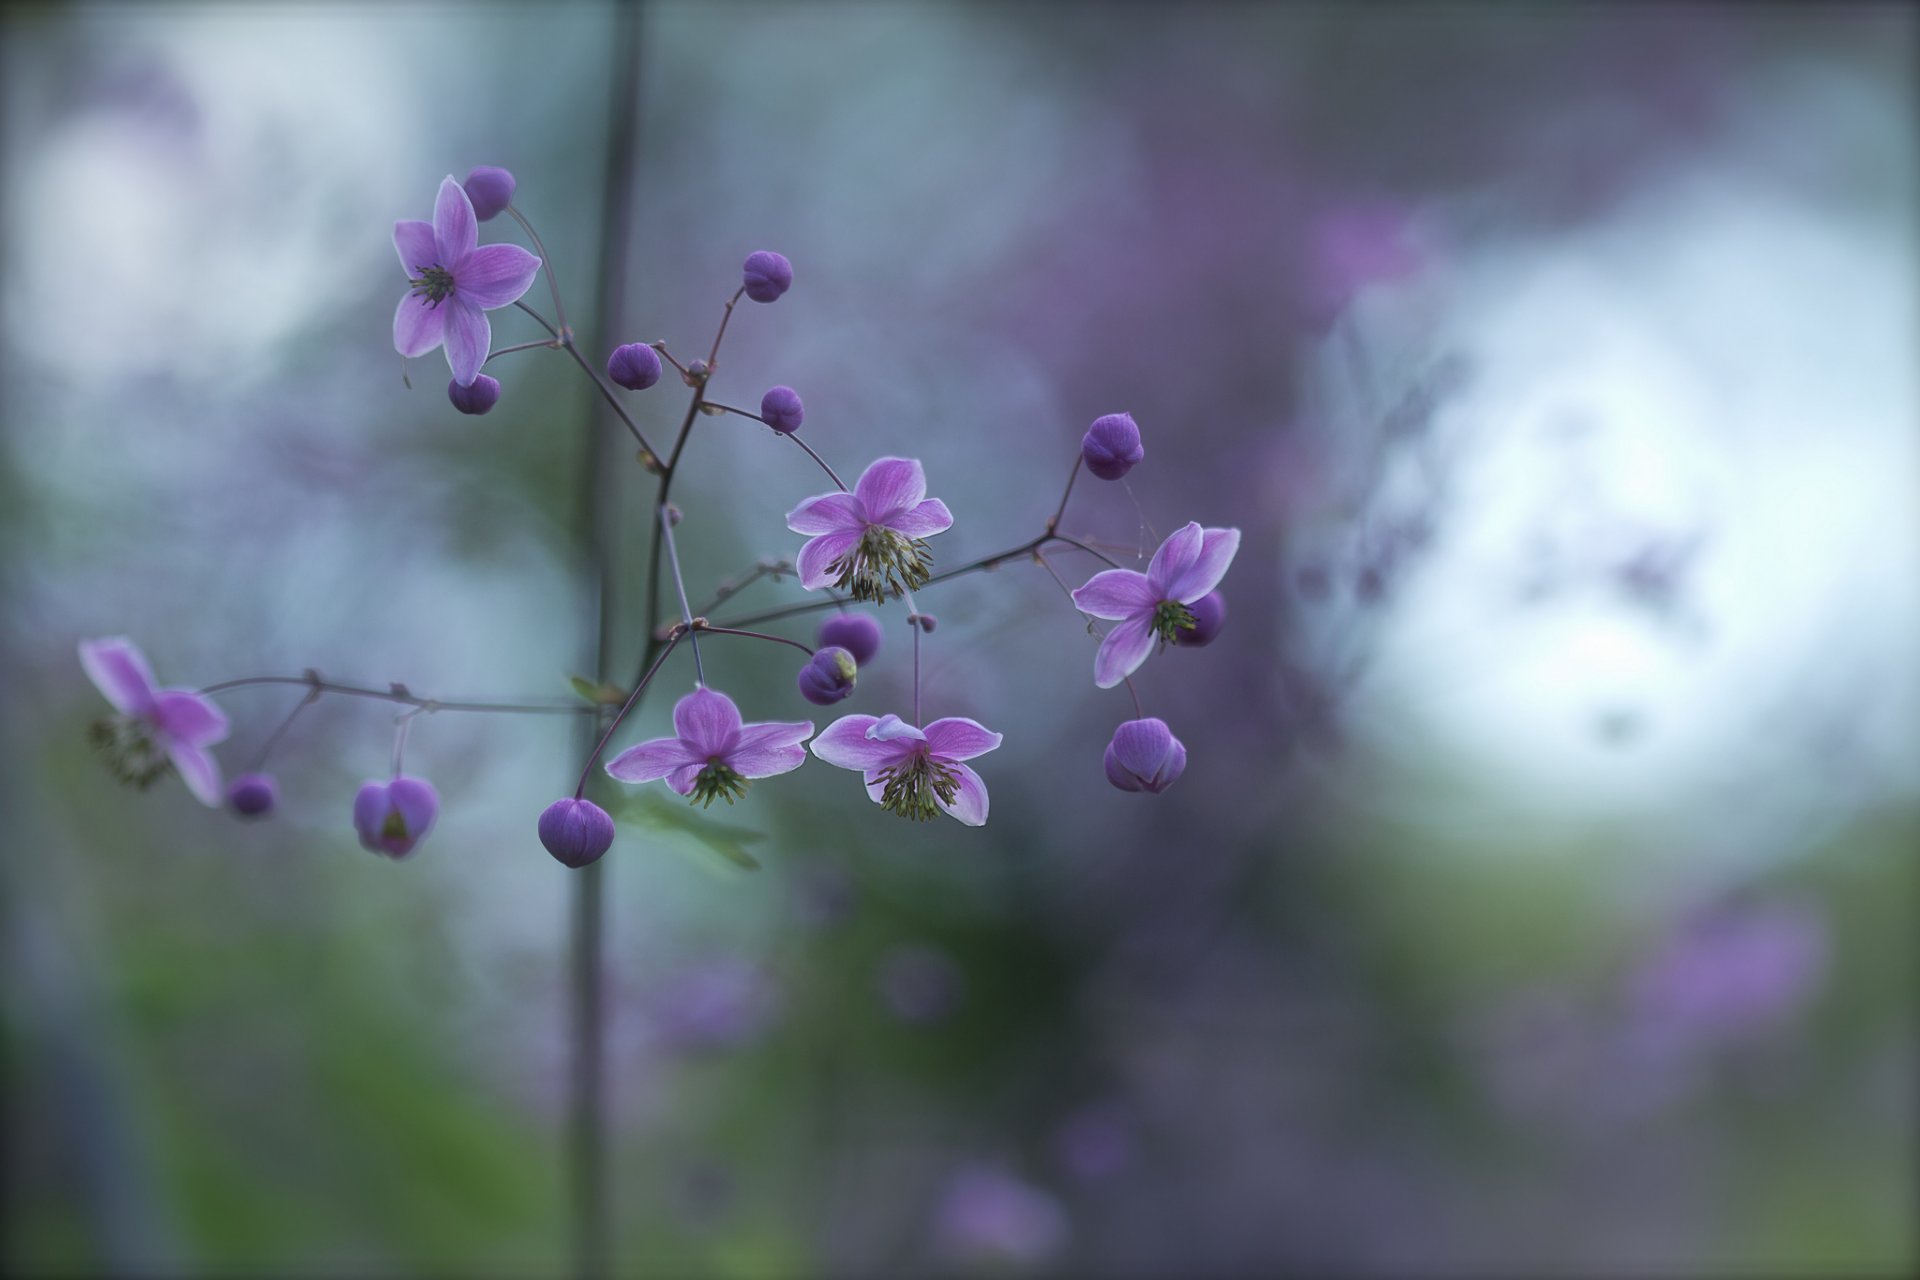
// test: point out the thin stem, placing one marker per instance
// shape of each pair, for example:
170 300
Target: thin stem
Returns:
913 620
667 355
563 338
399 693
757 635
537 316
546 265
1046 564
713 353
632 698
1092 551
273 739
680 588
1053 521
401 724
549 344
831 475
727 589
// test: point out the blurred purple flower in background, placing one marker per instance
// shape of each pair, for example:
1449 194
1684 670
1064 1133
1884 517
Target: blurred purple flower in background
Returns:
392 817
1731 974
157 728
1095 1142
454 282
987 1215
724 1004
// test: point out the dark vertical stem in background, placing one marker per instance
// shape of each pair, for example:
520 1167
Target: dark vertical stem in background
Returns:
587 1119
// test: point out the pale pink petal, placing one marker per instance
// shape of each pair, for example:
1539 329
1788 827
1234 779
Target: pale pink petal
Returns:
923 521
199 770
650 760
890 486
828 513
417 327
1175 556
468 337
891 728
818 554
958 738
455 229
413 240
969 798
1115 593
120 671
417 803
495 275
188 717
683 778
765 762
708 722
772 733
876 785
1122 652
1217 549
845 743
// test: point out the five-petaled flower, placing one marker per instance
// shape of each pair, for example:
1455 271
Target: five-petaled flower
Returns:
156 728
714 755
913 772
454 281
871 542
1150 605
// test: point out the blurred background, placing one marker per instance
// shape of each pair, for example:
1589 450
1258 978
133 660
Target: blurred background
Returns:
1540 896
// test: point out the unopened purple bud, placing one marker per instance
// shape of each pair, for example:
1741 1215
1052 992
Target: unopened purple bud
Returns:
1112 446
392 817
857 633
1145 756
781 409
253 795
576 831
1209 614
766 275
828 676
635 366
490 189
477 396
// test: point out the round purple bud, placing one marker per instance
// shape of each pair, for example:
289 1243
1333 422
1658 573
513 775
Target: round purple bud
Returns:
491 191
1112 446
1209 615
781 409
766 275
253 795
857 633
576 831
925 621
392 817
635 366
828 676
477 396
1145 756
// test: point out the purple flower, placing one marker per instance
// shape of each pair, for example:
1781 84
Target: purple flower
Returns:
781 409
491 190
1209 615
576 831
714 755
156 728
253 795
1188 565
1112 446
392 817
871 542
1145 756
857 633
477 396
455 282
725 1004
766 275
988 1215
828 677
635 366
913 772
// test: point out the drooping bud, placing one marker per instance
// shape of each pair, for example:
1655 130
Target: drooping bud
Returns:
490 189
635 366
1112 446
1209 614
829 676
477 396
766 275
781 409
392 817
857 633
1145 756
253 795
576 832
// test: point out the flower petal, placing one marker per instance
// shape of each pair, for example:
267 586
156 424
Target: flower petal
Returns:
468 337
650 760
417 327
969 798
1124 649
891 728
455 229
1116 594
187 717
369 811
683 778
818 554
417 803
845 743
1217 548
890 486
199 770
923 521
495 275
708 722
765 762
958 738
772 733
413 239
120 671
828 513
1175 556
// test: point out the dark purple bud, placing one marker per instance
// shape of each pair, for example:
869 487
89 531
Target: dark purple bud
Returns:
491 191
1112 446
477 396
1209 615
635 366
828 676
857 633
1145 756
781 409
392 817
253 795
925 621
766 275
576 831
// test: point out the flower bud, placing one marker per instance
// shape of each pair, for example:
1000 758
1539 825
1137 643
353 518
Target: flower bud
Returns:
477 396
635 366
253 795
1209 614
925 621
490 189
1112 445
1144 756
857 633
781 409
392 817
766 275
828 676
576 831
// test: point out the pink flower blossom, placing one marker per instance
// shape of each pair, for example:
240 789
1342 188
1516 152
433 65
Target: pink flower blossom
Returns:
871 542
454 282
156 728
913 772
714 755
1150 605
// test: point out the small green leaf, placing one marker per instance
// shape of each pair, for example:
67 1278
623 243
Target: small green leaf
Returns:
607 695
677 820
